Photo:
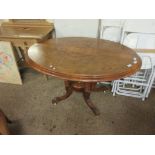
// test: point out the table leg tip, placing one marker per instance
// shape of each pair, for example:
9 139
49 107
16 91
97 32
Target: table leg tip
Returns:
96 112
54 101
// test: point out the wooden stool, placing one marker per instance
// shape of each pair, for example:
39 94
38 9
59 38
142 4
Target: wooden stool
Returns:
4 130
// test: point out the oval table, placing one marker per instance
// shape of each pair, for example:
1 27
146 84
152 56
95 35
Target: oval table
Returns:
82 62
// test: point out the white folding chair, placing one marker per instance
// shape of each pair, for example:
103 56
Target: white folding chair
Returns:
138 85
111 29
153 86
140 26
140 34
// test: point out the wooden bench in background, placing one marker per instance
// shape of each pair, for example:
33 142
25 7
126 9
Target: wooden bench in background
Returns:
23 33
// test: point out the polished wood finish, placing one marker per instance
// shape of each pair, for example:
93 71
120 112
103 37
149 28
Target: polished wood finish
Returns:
85 61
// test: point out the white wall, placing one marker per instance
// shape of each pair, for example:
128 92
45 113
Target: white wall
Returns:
113 22
140 25
76 27
89 27
82 27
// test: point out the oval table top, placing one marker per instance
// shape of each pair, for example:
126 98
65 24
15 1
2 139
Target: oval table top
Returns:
83 59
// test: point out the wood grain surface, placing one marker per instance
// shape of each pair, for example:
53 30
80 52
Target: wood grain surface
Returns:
83 59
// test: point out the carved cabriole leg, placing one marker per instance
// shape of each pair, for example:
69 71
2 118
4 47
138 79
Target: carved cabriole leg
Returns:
4 130
68 93
8 120
86 95
85 87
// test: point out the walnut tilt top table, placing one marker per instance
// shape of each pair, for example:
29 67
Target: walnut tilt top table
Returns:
82 62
